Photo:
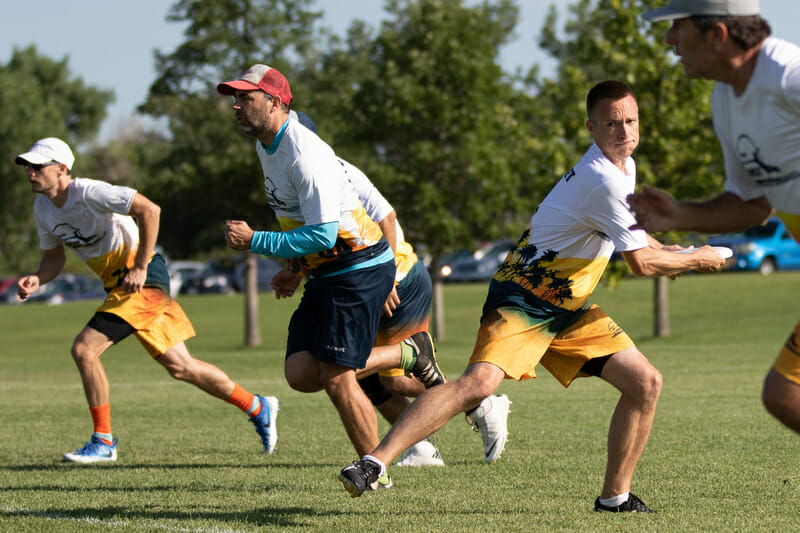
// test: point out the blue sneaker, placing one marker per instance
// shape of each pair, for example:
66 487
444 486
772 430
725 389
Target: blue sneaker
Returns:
95 451
265 422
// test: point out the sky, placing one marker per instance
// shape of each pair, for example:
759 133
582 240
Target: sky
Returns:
110 43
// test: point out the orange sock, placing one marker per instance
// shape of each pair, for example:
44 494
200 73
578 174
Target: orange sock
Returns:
244 400
101 417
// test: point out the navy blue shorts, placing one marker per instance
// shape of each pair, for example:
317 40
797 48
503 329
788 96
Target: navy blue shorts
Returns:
413 313
338 315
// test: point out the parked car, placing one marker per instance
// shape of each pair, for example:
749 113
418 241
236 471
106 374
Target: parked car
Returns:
480 265
180 271
266 270
8 290
86 288
64 288
764 248
215 278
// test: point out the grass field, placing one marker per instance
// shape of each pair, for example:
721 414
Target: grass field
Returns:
187 462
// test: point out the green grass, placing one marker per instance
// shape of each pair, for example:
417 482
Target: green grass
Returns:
715 461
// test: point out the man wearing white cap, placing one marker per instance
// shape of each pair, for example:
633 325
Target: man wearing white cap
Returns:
756 114
96 220
349 264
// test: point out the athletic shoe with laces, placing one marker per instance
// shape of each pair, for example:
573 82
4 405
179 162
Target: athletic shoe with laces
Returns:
266 422
632 505
423 453
426 369
491 419
360 476
94 451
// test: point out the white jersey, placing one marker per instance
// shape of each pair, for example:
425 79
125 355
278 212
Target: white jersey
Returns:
378 208
575 230
760 131
94 222
306 184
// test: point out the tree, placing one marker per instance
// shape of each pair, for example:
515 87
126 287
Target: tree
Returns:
206 171
39 98
609 39
427 113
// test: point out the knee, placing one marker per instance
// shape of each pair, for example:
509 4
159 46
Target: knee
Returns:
81 352
178 370
298 380
473 391
646 388
651 385
775 403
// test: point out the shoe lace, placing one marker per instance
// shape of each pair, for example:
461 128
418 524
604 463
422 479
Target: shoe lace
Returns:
92 447
364 469
473 424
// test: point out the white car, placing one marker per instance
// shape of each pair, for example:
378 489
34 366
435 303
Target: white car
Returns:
180 271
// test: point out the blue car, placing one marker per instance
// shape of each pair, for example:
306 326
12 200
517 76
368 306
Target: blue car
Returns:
764 248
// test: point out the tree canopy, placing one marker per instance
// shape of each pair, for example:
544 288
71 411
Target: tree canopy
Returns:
426 111
39 98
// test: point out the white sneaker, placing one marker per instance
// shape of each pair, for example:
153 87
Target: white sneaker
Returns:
491 419
423 453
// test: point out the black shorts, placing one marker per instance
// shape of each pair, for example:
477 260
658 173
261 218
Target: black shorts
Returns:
110 325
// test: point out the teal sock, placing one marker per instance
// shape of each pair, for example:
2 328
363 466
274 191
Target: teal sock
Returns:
407 356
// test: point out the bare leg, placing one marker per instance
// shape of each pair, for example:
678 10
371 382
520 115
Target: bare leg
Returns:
303 369
87 348
781 398
380 358
640 385
354 407
392 408
436 406
181 365
405 385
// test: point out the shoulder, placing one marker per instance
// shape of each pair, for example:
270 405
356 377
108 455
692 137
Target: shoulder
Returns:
779 61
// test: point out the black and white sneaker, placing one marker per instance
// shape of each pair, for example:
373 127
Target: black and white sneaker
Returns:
426 369
632 505
360 476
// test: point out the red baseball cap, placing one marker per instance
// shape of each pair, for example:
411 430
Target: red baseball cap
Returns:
259 77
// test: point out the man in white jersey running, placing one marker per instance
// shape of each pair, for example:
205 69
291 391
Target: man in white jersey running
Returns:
756 114
536 310
349 264
96 220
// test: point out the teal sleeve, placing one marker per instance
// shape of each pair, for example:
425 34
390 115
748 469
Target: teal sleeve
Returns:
298 242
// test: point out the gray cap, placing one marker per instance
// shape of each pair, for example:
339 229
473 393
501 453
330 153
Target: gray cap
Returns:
679 9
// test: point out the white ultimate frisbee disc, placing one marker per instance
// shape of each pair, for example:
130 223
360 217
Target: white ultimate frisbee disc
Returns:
724 251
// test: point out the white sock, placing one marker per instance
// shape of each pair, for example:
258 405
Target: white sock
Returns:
616 501
377 462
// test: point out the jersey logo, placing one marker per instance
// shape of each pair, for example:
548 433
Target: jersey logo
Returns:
569 175
72 236
762 173
269 190
523 263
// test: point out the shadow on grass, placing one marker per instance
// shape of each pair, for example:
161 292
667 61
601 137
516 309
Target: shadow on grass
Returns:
117 466
116 516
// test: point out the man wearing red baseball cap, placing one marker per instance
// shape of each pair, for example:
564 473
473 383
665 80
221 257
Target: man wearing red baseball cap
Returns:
349 265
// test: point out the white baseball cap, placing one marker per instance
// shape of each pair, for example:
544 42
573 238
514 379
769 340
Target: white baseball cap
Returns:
46 150
679 9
